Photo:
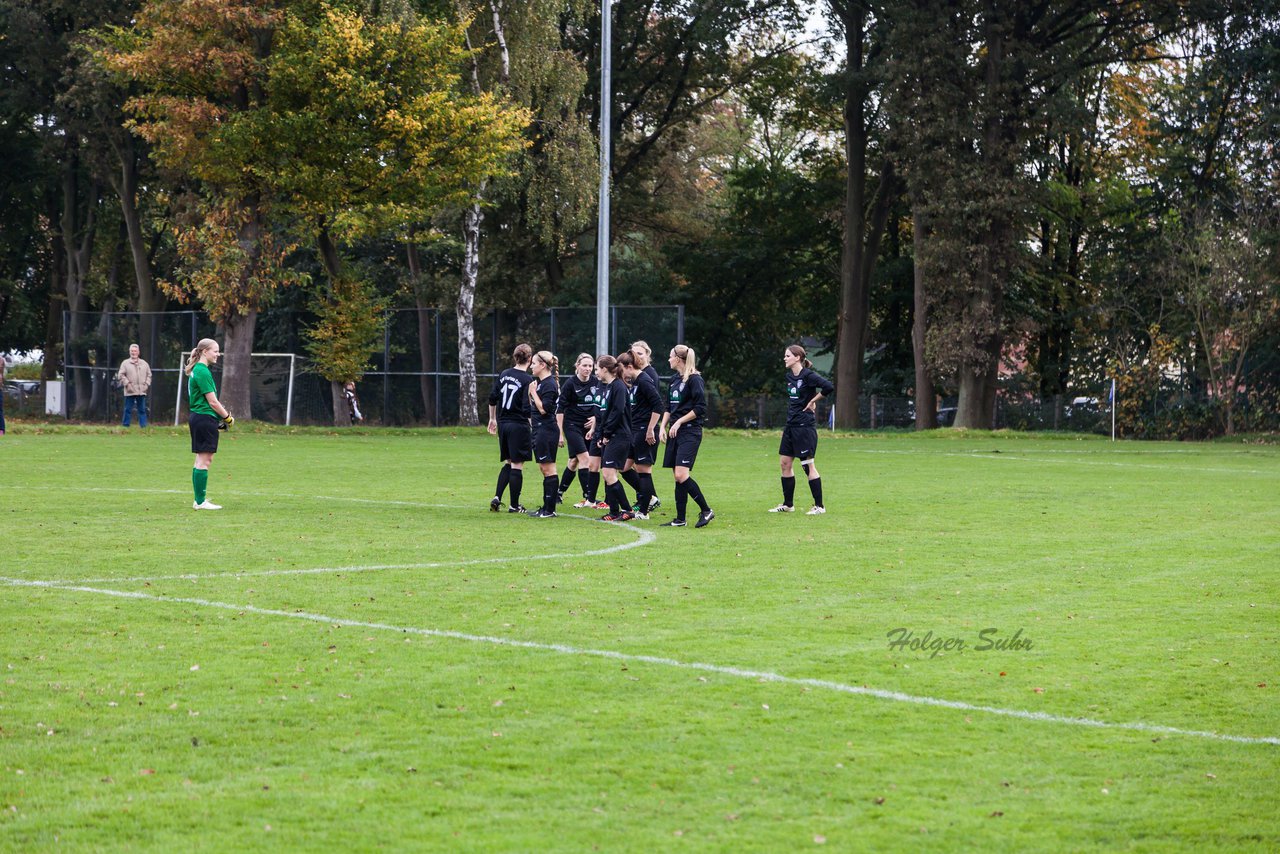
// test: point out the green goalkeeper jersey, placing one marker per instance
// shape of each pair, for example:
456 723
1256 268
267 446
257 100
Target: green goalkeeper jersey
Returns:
199 384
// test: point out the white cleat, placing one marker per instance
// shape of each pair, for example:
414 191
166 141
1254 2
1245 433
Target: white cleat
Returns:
816 511
205 505
783 508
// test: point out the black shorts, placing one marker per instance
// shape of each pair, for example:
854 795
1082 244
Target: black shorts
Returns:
574 439
799 442
204 433
546 443
593 446
614 454
682 450
641 451
515 441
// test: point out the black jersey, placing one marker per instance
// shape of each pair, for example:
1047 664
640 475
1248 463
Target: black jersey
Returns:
653 375
614 420
802 388
579 399
549 392
511 395
688 396
645 400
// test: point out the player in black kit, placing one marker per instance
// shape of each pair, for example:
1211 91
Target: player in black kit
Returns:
576 414
509 420
614 426
805 387
543 394
643 356
646 408
682 431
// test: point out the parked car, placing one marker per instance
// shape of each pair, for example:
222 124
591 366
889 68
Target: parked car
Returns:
21 388
947 416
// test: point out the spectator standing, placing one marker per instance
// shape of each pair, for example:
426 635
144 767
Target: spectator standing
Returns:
134 377
353 402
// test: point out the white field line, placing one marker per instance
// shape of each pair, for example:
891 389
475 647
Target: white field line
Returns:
724 670
644 539
1013 456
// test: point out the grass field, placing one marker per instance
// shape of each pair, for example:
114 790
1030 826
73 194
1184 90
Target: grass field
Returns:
356 654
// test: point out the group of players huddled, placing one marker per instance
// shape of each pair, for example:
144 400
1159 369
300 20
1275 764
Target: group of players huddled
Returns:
611 417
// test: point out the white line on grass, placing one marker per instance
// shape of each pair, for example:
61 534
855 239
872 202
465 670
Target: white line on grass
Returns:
1013 456
738 672
644 539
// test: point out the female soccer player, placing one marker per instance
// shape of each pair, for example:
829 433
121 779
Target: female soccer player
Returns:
805 387
643 355
686 410
206 416
614 425
646 408
543 395
575 413
509 420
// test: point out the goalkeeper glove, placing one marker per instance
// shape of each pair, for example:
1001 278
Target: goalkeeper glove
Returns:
225 423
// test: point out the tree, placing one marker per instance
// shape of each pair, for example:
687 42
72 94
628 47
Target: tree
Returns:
865 209
1226 271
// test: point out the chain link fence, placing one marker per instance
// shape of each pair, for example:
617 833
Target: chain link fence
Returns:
414 378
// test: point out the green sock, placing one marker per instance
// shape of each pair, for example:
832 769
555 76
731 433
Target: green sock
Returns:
200 480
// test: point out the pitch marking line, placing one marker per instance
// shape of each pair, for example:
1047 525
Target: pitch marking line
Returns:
737 672
644 539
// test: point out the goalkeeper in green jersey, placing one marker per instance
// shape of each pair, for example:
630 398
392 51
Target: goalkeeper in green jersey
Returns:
206 417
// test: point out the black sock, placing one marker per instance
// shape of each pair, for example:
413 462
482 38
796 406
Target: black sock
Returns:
644 496
696 494
584 477
517 481
682 498
632 477
549 484
789 490
614 494
815 486
566 480
503 477
595 486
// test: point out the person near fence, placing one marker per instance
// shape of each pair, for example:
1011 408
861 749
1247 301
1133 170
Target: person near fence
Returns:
509 421
353 402
614 423
543 394
682 431
643 355
206 416
646 409
805 387
575 415
134 378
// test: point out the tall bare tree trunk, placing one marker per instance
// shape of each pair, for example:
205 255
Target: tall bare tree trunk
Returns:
852 321
426 341
341 412
77 244
237 345
926 397
468 402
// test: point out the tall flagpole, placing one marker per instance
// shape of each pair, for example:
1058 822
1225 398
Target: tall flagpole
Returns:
602 230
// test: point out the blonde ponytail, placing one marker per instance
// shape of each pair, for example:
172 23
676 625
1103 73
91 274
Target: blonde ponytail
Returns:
690 359
546 358
205 344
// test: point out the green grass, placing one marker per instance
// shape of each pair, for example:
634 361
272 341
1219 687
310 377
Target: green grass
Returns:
247 708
